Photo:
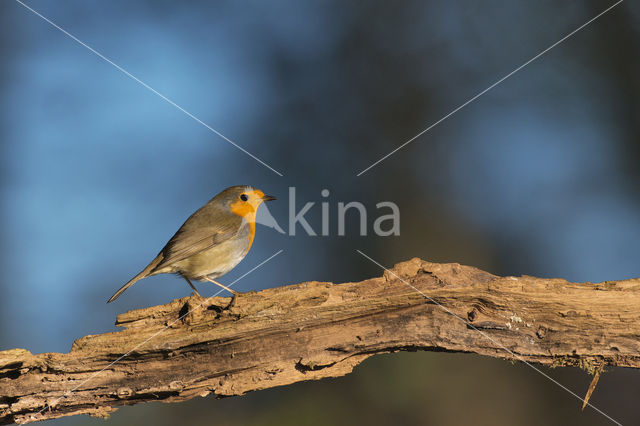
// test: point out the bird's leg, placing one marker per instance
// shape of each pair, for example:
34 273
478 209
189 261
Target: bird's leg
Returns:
192 286
235 293
221 285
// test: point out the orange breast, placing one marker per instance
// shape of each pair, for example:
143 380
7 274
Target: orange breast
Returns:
252 233
243 209
248 213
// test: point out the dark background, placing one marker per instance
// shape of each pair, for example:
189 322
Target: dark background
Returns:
539 176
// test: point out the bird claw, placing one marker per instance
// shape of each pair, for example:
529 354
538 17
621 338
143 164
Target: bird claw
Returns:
220 309
232 303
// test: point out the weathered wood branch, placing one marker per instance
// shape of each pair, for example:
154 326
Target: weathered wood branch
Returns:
314 330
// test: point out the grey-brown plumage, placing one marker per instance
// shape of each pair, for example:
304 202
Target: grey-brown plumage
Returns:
211 242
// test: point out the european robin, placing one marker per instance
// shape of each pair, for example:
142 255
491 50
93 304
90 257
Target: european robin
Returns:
211 242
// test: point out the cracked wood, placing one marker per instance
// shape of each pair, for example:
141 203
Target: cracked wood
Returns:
314 330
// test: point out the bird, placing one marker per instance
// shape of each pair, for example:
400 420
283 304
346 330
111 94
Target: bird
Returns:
211 242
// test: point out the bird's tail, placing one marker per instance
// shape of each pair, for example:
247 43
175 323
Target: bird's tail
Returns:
143 274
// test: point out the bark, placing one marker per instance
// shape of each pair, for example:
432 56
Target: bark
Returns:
314 330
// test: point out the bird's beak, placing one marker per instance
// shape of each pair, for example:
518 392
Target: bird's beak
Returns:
268 198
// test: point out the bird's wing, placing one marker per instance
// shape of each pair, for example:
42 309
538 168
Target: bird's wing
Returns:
187 242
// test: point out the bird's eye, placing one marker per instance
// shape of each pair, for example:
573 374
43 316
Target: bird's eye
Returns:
244 197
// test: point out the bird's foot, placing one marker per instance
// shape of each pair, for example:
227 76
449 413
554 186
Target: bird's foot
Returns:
226 308
232 303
